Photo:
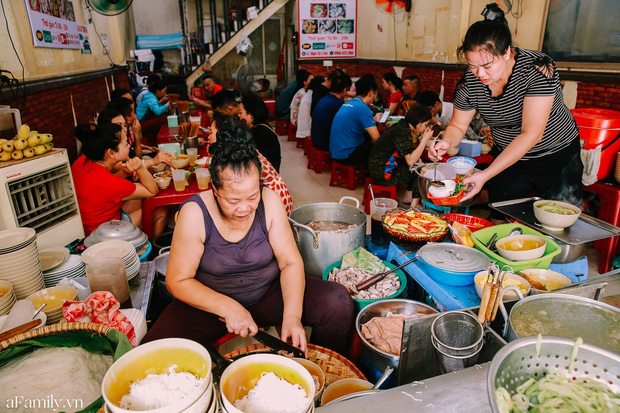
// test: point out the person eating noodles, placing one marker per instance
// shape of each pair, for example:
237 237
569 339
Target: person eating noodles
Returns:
233 256
518 94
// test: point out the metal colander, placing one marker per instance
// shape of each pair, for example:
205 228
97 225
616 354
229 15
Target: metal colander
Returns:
518 361
458 338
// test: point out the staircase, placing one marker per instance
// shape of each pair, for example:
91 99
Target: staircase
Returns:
224 33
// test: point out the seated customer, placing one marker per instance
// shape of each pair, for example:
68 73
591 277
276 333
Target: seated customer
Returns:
395 152
324 89
411 91
233 256
254 113
325 111
100 193
211 89
394 86
441 111
225 103
304 119
120 93
354 129
151 113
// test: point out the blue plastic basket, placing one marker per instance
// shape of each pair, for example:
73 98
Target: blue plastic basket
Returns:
146 253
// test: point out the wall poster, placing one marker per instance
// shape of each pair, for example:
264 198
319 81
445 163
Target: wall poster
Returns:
52 23
327 29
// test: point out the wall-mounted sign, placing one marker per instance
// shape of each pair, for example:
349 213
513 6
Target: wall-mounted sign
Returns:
327 29
52 23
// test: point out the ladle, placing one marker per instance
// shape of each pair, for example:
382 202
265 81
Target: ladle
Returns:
435 182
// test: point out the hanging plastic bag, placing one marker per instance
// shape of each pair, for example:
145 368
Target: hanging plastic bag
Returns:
244 47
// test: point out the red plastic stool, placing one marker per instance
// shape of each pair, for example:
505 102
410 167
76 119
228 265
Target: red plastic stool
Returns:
309 151
301 143
282 126
379 191
349 175
322 160
292 132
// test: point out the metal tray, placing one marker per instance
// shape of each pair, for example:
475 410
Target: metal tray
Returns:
586 229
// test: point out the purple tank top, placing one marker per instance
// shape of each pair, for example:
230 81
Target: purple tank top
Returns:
242 270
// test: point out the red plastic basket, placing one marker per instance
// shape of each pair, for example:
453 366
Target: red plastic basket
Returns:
471 222
448 200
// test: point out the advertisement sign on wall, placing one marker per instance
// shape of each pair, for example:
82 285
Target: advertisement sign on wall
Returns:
52 23
327 29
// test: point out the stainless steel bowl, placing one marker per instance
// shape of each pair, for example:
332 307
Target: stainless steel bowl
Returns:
379 358
569 253
424 183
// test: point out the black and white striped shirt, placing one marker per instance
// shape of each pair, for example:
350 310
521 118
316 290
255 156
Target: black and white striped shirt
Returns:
534 74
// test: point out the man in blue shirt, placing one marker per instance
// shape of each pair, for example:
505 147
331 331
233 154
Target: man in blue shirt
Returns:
326 109
354 130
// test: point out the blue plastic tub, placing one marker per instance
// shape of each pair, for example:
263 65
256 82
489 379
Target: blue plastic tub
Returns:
453 278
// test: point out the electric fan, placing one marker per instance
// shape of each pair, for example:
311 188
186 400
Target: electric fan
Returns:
109 7
244 78
393 6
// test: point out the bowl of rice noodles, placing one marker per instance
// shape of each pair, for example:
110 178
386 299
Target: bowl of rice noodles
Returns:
168 375
266 383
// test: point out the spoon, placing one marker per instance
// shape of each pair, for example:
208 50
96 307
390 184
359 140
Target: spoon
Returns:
435 182
516 231
384 377
372 193
38 311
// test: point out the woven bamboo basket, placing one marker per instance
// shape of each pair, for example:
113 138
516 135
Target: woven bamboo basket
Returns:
54 329
334 365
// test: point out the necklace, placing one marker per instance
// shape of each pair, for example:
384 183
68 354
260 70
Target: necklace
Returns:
219 210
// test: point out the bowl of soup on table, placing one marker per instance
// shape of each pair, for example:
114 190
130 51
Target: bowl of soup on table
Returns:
544 281
521 247
556 215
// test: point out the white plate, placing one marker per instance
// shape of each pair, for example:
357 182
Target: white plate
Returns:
53 257
107 249
12 238
19 256
41 316
74 262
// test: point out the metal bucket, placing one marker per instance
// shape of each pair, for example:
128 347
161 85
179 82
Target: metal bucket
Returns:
320 249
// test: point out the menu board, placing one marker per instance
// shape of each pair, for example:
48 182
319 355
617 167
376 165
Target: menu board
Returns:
52 23
327 29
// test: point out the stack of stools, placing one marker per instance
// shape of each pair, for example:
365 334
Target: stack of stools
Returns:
349 175
282 126
379 191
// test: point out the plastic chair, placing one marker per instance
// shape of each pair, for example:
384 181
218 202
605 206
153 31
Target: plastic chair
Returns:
379 191
300 143
322 160
349 175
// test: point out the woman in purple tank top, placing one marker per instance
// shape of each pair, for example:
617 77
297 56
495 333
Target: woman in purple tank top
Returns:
233 256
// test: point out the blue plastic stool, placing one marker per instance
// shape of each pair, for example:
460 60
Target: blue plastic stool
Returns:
444 209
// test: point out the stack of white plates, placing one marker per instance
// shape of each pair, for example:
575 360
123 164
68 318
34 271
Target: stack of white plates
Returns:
114 249
7 297
19 261
73 267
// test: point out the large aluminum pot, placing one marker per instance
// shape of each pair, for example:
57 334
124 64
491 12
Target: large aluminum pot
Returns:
378 358
424 183
320 249
562 315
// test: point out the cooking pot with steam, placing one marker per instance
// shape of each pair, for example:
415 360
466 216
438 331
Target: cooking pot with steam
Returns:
321 248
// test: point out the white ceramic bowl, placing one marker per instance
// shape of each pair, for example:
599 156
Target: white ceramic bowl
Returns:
510 279
453 151
521 247
163 183
243 374
543 281
315 371
344 387
158 357
181 162
203 162
553 221
6 291
53 297
462 164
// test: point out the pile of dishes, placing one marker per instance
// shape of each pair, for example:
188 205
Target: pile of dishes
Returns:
72 267
19 261
53 298
114 249
118 230
52 257
7 297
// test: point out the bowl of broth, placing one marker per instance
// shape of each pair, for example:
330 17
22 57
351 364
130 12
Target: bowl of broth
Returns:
521 247
344 387
556 215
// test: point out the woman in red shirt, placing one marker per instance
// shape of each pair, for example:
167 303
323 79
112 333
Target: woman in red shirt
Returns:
100 193
394 86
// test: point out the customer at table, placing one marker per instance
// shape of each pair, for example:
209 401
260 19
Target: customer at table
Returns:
394 86
411 91
303 81
283 100
324 89
304 119
225 103
442 111
398 150
518 94
100 193
151 112
211 89
233 256
254 112
354 129
120 93
326 110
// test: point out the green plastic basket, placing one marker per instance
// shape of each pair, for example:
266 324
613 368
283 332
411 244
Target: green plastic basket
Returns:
482 237
359 304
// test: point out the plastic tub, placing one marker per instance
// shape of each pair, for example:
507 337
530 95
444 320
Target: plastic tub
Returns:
599 128
483 236
360 304
146 253
473 223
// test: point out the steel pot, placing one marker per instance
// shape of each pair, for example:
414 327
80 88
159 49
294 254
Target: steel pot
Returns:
562 315
569 253
320 249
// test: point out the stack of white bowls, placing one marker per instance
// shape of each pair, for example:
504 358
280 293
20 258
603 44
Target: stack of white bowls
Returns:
19 261
7 297
73 267
114 249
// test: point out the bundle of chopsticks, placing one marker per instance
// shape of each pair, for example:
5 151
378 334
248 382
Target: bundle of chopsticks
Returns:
491 294
188 129
174 97
183 106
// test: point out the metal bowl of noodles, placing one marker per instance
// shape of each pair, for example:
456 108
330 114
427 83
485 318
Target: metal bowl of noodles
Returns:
424 182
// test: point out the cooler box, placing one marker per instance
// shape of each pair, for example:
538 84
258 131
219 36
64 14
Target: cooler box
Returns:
599 128
271 107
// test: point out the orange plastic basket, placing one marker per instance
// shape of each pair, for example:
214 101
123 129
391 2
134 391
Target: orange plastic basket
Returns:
471 222
448 200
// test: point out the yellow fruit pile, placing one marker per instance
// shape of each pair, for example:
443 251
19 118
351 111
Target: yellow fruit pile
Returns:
25 145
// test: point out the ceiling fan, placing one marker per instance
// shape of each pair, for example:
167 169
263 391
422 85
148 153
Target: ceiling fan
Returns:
109 7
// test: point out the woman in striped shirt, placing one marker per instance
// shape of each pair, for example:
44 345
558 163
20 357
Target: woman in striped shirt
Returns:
518 94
